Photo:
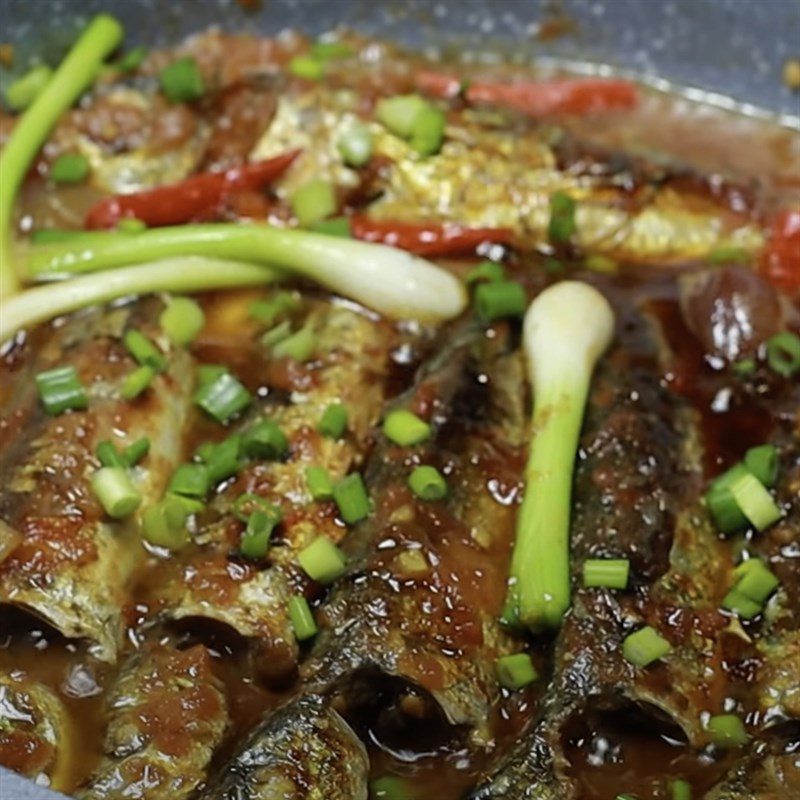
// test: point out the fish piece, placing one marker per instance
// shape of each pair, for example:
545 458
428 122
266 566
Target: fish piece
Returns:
424 601
636 496
167 714
427 623
622 210
208 580
36 734
305 751
73 564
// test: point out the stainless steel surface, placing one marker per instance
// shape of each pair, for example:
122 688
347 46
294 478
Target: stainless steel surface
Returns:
732 48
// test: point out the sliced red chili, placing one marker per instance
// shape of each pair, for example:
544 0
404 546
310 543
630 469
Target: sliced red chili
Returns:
428 239
780 261
194 197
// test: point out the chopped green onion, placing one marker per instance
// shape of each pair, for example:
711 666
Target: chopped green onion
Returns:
399 113
745 367
405 428
500 299
136 451
681 790
307 67
223 459
277 334
645 646
191 480
325 51
300 346
721 504
190 505
411 563
114 490
516 671
70 168
132 60
627 796
313 201
562 218
755 501
390 788
223 397
144 351
208 373
610 573
319 483
302 619
182 320
727 254
255 540
601 263
107 455
322 560
509 615
131 225
164 524
25 89
334 421
136 382
755 580
762 461
181 81
726 730
336 226
247 504
427 483
351 497
60 390
265 440
552 266
267 311
741 605
486 271
427 132
783 354
355 145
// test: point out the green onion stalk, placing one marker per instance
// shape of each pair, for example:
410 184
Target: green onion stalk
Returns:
386 279
74 75
567 328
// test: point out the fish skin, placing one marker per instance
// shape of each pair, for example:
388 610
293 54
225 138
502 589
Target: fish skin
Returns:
252 599
589 668
167 715
379 616
304 751
73 565
512 171
349 646
34 720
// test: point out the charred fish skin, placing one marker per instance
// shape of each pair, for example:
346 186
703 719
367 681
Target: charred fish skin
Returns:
73 564
305 751
167 715
252 598
637 500
36 734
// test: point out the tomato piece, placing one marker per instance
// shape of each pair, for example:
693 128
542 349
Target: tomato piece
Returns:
427 239
780 261
578 96
181 202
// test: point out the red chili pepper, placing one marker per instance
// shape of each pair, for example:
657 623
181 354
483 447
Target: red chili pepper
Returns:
780 261
427 239
578 96
560 96
182 202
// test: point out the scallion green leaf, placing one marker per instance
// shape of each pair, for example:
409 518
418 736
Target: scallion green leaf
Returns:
144 351
248 503
136 382
223 459
727 731
489 271
427 483
336 226
610 573
399 113
136 451
25 89
783 354
320 485
265 440
267 311
333 422
427 132
70 168
351 497
313 201
192 480
755 501
60 390
307 67
562 218
322 560
181 81
302 619
255 540
405 428
108 456
516 671
500 299
301 345
223 398
182 320
164 524
356 145
645 646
